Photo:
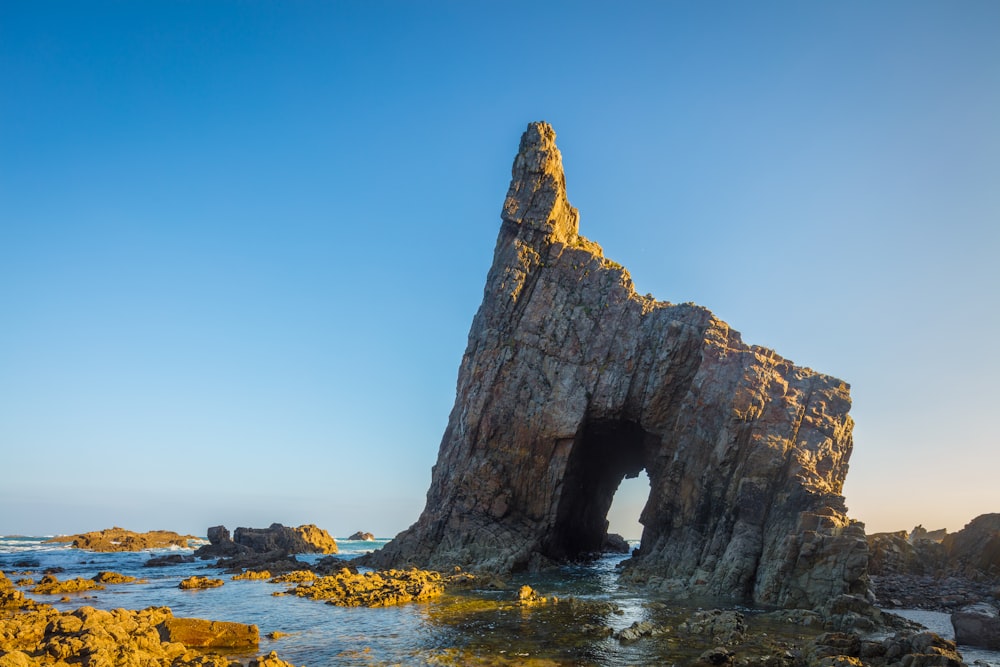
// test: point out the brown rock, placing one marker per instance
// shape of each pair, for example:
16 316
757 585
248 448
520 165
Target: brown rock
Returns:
571 381
196 582
113 578
50 585
366 537
199 633
349 588
977 625
119 539
277 540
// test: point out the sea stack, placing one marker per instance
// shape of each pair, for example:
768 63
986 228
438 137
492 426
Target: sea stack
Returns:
572 381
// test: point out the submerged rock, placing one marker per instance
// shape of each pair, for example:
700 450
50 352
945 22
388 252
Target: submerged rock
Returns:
571 381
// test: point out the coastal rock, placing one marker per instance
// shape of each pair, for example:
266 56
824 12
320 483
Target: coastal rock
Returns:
571 381
199 633
349 588
365 537
977 625
171 559
276 539
975 550
113 578
118 539
152 637
196 583
615 544
50 585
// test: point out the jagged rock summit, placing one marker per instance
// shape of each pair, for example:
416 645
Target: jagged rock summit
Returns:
571 382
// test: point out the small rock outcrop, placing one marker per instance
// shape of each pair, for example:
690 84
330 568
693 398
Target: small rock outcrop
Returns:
362 536
276 539
119 539
572 381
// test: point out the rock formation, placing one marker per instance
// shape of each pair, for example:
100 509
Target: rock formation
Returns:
275 540
119 539
571 381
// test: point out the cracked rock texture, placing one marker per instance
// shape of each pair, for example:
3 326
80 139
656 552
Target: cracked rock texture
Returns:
572 381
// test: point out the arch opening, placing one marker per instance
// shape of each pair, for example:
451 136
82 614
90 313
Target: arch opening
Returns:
605 453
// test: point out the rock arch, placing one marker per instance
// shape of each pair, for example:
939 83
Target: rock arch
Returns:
571 381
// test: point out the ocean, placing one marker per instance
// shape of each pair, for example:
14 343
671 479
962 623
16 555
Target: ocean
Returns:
477 627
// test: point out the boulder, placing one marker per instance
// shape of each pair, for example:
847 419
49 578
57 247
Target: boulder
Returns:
615 544
977 625
360 536
571 381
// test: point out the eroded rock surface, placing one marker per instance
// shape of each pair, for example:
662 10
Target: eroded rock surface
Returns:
572 381
275 541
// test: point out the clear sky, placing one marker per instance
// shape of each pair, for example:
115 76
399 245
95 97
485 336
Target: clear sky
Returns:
241 243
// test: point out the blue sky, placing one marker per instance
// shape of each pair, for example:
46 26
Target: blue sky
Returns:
241 243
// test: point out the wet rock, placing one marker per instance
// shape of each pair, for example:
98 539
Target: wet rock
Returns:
113 578
199 633
195 583
365 537
716 656
171 559
373 589
50 585
977 625
571 381
87 636
908 649
615 544
640 629
726 627
528 596
119 539
270 660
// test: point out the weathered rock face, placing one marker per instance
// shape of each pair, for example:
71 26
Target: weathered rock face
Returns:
571 381
275 539
119 539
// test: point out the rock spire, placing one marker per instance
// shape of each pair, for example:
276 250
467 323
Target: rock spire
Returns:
572 382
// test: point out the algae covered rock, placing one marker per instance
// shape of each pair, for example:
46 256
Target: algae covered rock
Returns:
51 585
349 588
196 582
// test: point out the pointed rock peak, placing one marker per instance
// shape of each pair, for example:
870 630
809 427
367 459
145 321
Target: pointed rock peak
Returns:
536 199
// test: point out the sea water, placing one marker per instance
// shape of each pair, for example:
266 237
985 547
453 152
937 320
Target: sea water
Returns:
476 627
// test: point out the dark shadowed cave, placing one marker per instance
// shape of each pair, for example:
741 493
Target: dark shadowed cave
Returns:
605 453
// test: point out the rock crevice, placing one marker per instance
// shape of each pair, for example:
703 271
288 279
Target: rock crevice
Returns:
572 381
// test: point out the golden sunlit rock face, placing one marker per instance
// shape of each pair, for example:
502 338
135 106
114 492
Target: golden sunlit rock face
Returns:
571 381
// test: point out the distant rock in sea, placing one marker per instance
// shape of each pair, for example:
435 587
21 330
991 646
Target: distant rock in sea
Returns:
364 537
572 381
119 539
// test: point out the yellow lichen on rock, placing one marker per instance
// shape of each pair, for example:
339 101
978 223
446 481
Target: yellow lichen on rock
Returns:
252 575
373 589
50 585
199 582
